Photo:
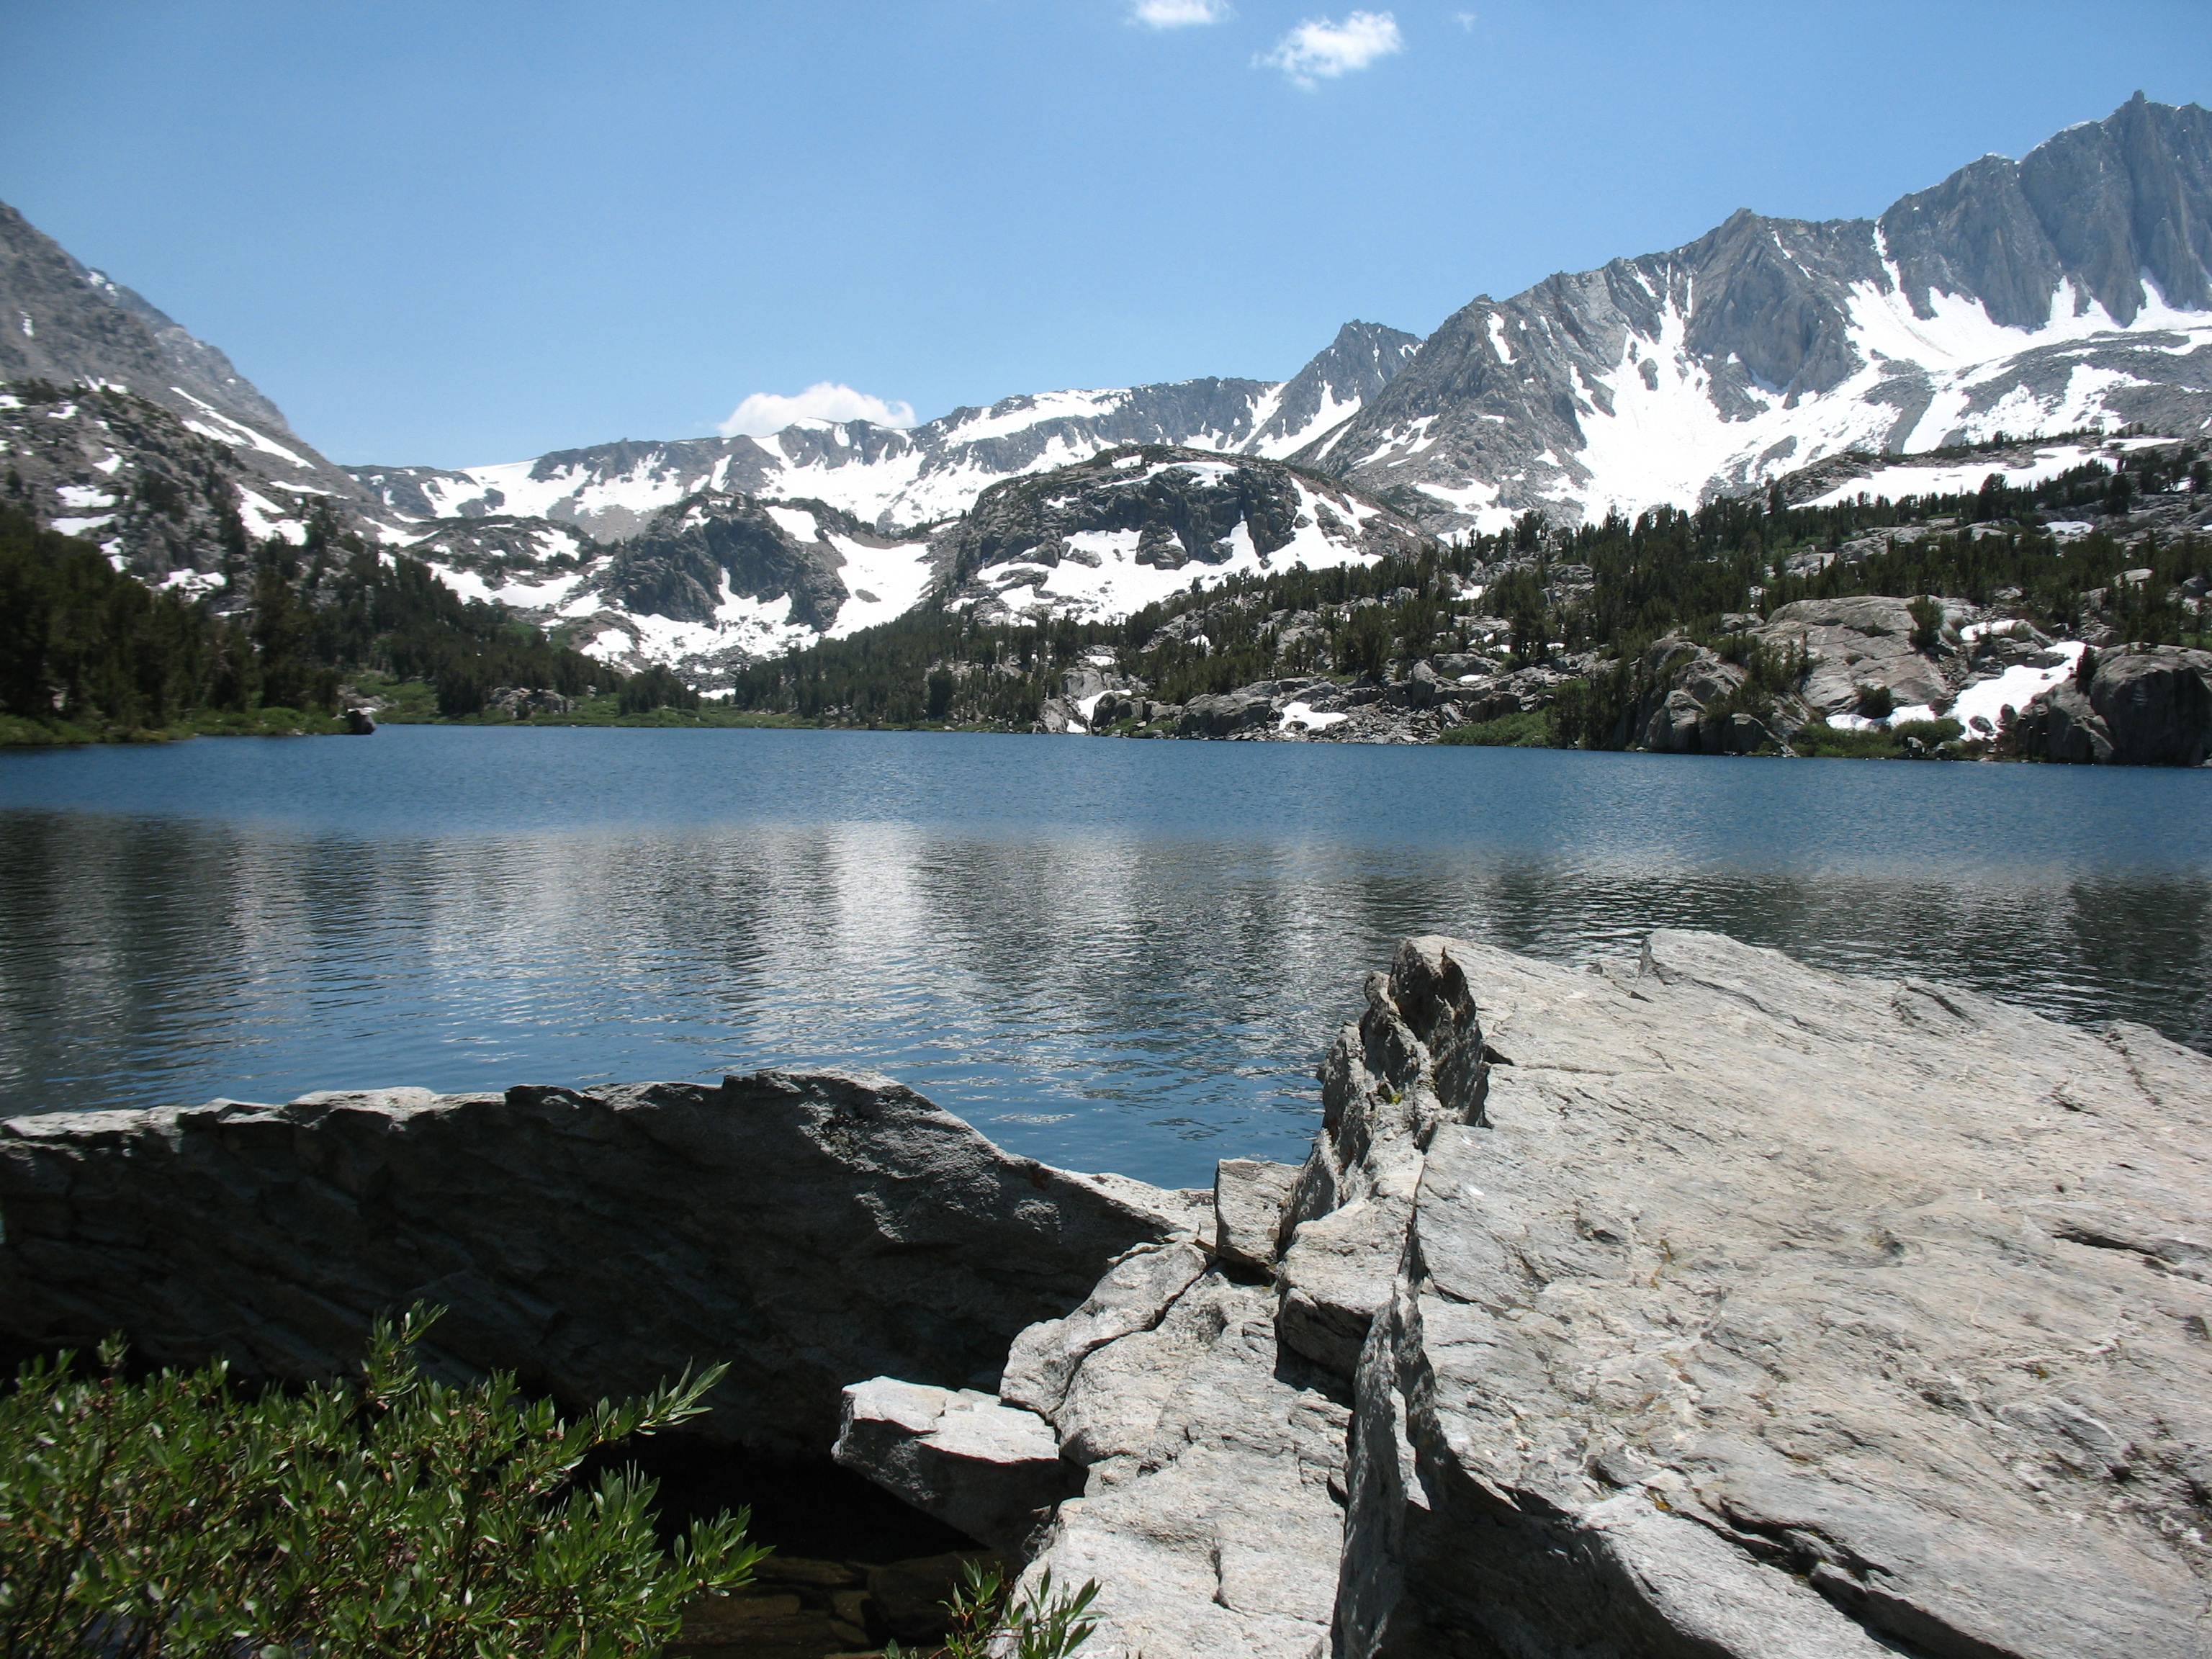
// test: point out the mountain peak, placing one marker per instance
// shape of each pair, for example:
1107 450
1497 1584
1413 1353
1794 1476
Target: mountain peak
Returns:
67 323
2065 290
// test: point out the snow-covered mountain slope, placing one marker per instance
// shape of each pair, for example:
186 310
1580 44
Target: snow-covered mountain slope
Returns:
2069 290
2022 464
2072 289
708 583
920 475
1105 537
65 325
717 580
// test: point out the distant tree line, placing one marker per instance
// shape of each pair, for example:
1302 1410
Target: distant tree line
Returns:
85 643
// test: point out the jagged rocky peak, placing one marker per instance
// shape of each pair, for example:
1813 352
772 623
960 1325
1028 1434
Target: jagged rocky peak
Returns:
714 580
1110 535
893 478
1363 359
2117 208
2071 289
62 323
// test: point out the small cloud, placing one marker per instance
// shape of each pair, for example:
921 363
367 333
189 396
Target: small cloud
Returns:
1177 14
1467 19
1319 50
825 400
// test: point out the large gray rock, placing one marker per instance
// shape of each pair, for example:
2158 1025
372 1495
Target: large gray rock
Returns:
2148 705
2062 725
1854 643
1209 1517
810 1229
1222 714
2157 704
992 1470
1747 1309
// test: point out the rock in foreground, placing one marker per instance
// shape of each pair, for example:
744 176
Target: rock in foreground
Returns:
1705 1305
809 1230
1744 1309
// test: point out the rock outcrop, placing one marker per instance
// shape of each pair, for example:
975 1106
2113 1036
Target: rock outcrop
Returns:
1689 705
810 1229
1747 1309
1852 645
2150 706
1706 1304
1088 539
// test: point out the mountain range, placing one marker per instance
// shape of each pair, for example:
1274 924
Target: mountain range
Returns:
2071 289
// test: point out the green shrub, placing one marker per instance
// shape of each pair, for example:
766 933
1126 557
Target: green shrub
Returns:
1875 702
1935 733
987 1621
1838 743
1525 729
179 1517
1883 743
1927 623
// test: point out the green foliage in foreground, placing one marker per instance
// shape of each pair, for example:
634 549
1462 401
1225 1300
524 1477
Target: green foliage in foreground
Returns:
396 1518
1526 729
989 1622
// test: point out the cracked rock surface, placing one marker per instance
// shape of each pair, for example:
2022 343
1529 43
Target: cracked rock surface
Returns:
1747 1309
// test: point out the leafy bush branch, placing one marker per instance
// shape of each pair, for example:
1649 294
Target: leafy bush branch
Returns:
989 1621
394 1518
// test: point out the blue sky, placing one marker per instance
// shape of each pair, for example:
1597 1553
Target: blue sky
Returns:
458 232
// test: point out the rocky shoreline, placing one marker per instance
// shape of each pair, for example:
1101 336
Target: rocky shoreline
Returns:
1704 1304
1951 681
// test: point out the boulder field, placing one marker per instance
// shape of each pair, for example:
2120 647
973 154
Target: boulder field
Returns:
1704 1304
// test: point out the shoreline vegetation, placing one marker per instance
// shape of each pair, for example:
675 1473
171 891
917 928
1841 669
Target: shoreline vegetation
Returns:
1538 636
1919 740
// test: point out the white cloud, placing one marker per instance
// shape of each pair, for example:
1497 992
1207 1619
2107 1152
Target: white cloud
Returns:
1177 14
1467 20
1319 50
825 400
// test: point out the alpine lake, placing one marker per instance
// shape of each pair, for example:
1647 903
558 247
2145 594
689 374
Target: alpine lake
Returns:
1106 955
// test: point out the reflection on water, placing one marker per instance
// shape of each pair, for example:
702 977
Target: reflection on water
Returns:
1088 992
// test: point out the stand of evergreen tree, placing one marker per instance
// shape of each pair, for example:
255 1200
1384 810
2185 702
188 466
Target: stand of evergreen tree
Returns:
90 650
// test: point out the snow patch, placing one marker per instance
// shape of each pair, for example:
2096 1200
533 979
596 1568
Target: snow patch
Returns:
239 435
798 525
1302 714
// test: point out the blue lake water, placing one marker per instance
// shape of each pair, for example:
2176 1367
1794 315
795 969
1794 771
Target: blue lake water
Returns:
1112 955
